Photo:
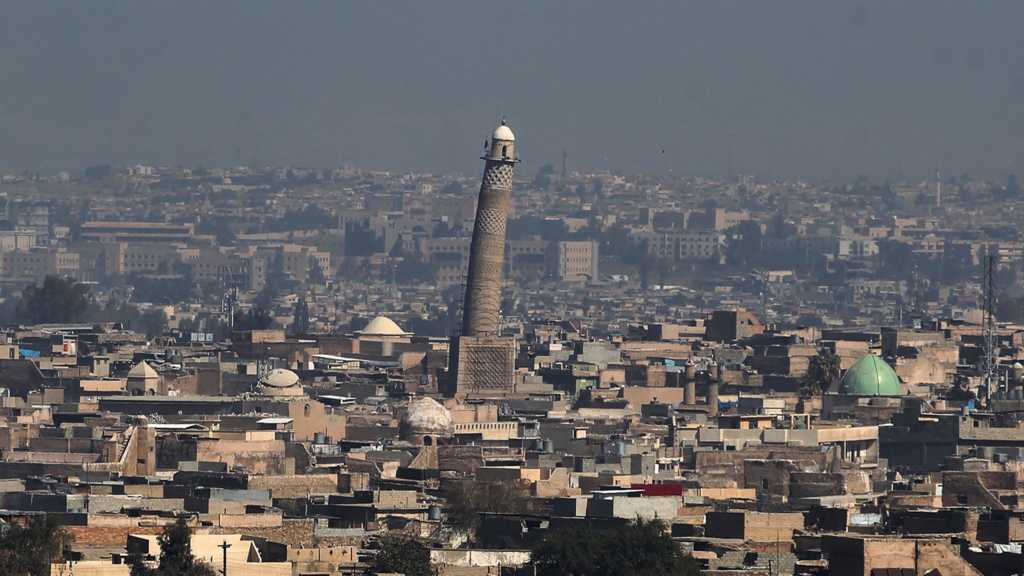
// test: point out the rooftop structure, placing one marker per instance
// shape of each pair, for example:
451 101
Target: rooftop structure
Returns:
870 376
383 326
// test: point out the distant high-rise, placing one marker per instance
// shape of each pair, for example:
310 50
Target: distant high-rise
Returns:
487 251
482 361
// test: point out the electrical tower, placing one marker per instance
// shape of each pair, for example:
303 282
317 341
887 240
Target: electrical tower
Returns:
229 300
989 323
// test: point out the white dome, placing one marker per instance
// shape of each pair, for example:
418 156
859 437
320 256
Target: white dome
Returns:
426 415
503 132
280 378
383 326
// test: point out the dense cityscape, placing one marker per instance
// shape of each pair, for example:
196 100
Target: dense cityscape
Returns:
278 363
730 288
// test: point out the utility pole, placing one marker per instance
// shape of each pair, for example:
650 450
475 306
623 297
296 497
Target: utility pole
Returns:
224 549
763 278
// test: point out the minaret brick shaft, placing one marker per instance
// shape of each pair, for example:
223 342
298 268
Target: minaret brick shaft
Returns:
487 251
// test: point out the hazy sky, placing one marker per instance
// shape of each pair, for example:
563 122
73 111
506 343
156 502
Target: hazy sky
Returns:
821 89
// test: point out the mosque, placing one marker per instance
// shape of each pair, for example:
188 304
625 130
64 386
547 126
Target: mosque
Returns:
870 376
869 389
425 421
281 383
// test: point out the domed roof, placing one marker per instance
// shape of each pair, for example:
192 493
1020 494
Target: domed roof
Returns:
426 415
143 370
281 382
280 378
383 326
503 132
870 376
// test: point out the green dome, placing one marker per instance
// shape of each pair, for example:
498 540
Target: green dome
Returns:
870 376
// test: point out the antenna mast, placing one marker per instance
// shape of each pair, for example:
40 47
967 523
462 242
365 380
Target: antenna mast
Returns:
989 321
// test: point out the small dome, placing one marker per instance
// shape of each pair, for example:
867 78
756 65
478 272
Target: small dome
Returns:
870 376
382 326
143 370
280 378
503 132
425 415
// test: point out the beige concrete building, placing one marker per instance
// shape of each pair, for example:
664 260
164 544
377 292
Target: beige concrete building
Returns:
37 263
573 260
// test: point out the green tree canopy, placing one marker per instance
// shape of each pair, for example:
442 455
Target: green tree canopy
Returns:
403 555
57 300
257 318
176 557
300 317
28 550
640 548
467 499
822 373
153 322
545 174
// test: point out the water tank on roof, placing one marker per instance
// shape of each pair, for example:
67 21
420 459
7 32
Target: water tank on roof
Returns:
434 513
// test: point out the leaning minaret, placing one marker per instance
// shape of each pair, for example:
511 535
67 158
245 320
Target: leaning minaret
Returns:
481 361
487 252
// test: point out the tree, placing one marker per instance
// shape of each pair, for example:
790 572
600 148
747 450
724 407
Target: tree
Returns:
219 227
28 550
895 259
57 300
743 247
176 557
467 499
316 272
404 555
639 548
277 281
545 174
153 322
256 318
822 373
166 289
300 317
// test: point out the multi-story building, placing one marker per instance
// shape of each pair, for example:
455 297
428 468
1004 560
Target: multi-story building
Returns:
146 258
573 260
137 231
11 240
38 263
685 245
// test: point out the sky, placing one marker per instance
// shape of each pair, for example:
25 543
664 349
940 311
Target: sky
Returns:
821 90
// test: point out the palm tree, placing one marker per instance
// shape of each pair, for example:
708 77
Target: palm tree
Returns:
822 373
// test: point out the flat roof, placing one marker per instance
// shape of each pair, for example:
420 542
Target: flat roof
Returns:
275 420
168 399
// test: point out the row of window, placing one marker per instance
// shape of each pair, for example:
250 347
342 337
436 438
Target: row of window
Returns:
489 426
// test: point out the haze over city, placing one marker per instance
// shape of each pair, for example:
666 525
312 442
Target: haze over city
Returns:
534 288
793 88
